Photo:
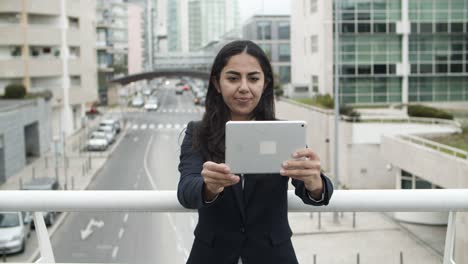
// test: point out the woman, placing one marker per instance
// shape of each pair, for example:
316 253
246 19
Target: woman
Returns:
241 221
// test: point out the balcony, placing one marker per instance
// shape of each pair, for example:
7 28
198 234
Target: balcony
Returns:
11 35
43 35
446 200
43 67
12 68
11 6
74 66
47 7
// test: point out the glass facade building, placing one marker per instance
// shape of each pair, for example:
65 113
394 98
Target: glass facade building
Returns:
394 51
272 34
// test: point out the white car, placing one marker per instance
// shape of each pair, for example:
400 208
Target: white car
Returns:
151 105
102 135
111 122
110 130
97 144
138 102
15 228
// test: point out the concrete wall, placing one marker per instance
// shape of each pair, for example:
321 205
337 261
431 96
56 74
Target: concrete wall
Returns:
12 123
431 165
361 166
461 238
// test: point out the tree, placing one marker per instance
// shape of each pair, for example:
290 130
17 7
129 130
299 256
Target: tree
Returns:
15 91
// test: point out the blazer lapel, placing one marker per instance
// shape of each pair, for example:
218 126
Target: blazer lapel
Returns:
249 187
237 190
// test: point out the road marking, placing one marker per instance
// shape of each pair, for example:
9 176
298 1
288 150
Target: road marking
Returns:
164 110
114 252
170 110
135 139
151 126
160 126
177 110
104 247
177 126
135 127
143 127
79 255
88 230
145 163
169 126
121 232
135 185
125 219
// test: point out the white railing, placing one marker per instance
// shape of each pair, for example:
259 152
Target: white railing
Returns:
440 200
437 146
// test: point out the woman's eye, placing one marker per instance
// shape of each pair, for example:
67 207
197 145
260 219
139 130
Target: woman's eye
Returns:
232 78
254 79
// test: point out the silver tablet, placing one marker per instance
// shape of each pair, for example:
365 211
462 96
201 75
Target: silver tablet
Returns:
261 146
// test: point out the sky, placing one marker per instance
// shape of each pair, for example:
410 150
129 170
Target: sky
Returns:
254 7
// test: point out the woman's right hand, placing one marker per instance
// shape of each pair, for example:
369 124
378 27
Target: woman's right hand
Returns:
216 176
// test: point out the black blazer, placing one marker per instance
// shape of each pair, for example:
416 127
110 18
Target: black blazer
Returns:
250 223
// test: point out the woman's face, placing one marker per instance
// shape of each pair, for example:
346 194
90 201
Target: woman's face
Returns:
241 84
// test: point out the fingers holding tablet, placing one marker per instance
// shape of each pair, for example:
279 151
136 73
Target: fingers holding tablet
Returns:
216 176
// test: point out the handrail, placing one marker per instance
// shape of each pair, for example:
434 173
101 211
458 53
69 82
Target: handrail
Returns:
437 146
422 200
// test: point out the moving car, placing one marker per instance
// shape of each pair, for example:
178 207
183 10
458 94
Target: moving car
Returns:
152 104
138 102
15 228
44 184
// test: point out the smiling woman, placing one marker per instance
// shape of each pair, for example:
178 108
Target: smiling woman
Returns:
242 218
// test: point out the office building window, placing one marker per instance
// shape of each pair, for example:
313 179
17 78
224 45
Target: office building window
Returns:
315 84
267 49
313 6
283 30
285 74
313 44
284 52
263 30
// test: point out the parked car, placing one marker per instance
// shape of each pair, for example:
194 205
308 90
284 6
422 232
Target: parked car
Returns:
111 122
146 91
152 105
97 144
15 228
109 130
102 135
44 184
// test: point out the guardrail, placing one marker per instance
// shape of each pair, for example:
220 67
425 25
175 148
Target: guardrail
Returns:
392 119
433 200
437 146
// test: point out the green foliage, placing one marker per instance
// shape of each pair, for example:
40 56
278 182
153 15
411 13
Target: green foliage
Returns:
426 111
277 85
349 111
15 91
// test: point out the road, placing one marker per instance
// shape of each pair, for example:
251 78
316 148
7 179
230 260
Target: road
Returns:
145 159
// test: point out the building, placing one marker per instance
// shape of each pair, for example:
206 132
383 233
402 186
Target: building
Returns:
390 51
211 19
112 43
272 34
25 133
50 46
135 39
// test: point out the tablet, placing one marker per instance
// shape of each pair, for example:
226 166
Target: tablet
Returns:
262 146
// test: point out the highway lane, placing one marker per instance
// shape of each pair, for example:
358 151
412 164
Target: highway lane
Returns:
146 159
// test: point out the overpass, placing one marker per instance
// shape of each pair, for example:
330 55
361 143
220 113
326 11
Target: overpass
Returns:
161 73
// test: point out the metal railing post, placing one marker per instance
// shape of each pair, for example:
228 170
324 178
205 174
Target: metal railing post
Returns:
45 247
450 239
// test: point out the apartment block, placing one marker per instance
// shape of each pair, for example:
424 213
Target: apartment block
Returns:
51 46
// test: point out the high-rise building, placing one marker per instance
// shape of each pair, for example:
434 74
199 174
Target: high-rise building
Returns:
390 51
210 19
112 43
135 38
272 34
51 46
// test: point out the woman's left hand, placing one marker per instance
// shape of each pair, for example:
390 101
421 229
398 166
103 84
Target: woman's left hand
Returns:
305 167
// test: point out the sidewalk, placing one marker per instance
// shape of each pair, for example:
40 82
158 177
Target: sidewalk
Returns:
373 238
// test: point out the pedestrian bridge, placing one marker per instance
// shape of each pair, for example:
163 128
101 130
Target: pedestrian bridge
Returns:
161 73
428 200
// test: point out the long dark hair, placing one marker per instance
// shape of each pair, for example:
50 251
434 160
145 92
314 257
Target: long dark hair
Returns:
211 130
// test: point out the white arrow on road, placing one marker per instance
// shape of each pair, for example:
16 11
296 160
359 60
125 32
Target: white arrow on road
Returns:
88 231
